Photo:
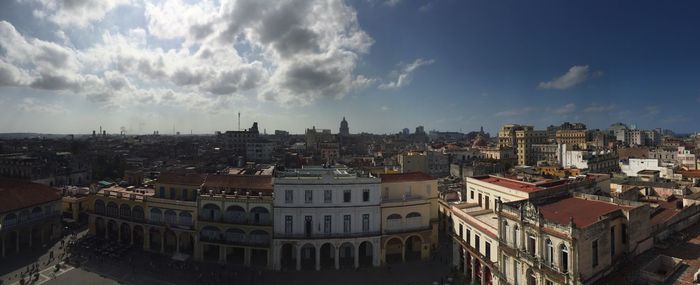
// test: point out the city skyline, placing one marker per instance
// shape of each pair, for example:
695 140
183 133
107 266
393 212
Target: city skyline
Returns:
384 65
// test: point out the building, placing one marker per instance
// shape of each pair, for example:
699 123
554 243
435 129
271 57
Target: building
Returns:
594 161
315 137
506 135
433 163
573 137
236 141
326 218
259 150
620 132
637 137
525 139
344 129
235 219
409 216
543 153
631 167
30 216
571 239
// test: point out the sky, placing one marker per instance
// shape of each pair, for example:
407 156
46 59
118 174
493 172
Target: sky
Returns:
451 65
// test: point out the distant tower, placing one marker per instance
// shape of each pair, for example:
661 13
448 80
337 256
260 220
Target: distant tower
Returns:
239 121
344 130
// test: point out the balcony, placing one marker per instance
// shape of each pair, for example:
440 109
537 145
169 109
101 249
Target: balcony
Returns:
237 241
406 229
30 220
325 235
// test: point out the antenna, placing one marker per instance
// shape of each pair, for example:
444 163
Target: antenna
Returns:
239 121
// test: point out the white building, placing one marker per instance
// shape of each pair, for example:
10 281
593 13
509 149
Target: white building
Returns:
326 218
594 161
634 165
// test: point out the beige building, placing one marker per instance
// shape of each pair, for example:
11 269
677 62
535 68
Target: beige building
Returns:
571 137
409 216
525 139
570 239
506 135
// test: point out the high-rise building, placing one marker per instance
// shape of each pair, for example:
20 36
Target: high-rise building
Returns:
344 130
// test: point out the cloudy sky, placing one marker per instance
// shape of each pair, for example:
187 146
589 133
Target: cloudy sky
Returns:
70 66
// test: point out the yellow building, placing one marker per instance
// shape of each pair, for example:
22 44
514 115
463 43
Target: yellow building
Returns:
409 213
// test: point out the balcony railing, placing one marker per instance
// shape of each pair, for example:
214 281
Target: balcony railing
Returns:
238 221
236 241
326 235
406 229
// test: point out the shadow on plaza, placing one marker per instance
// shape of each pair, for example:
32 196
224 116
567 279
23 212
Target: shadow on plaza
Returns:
26 257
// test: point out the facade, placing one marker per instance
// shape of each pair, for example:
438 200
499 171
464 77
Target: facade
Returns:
259 150
433 163
236 141
572 239
593 161
409 216
30 216
632 166
344 129
573 137
525 139
326 218
235 219
543 153
506 135
637 137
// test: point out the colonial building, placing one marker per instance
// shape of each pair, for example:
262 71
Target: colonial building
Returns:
326 218
235 219
409 216
30 216
525 140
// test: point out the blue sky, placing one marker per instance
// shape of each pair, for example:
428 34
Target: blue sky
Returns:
384 65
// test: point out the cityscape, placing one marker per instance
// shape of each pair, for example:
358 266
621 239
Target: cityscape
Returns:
349 142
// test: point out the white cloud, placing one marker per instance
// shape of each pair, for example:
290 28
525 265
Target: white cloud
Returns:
595 108
31 105
392 3
404 74
384 108
577 74
566 109
78 13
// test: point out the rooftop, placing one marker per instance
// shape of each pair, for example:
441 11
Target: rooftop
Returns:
251 182
17 194
519 185
181 179
406 177
583 211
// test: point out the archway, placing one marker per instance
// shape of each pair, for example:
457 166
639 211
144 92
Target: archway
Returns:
99 207
258 257
112 230
125 211
412 247
477 272
531 279
487 275
260 216
347 255
125 233
155 237
259 237
186 243
327 256
308 257
137 213
235 236
393 251
210 252
235 255
366 253
112 209
235 215
100 227
210 212
287 256
137 236
170 241
11 242
170 217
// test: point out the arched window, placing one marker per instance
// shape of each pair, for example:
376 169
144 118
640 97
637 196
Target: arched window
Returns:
10 220
100 207
393 222
170 217
137 213
112 209
564 258
125 211
413 215
259 237
210 212
156 216
235 215
235 235
516 237
394 217
210 233
549 252
504 232
185 219
260 216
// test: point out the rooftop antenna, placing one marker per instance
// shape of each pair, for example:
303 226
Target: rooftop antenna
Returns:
239 121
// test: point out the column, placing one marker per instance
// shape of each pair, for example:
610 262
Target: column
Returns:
298 257
357 256
456 248
483 275
318 259
473 271
177 243
337 257
147 239
162 242
246 256
222 254
403 252
376 256
17 242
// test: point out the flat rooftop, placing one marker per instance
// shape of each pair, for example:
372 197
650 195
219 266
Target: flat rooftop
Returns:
522 186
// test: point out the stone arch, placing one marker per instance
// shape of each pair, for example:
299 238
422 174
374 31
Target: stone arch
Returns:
260 216
170 217
137 213
125 211
287 256
366 255
100 207
235 214
347 255
185 219
112 209
210 212
156 216
413 247
327 253
259 237
308 257
393 250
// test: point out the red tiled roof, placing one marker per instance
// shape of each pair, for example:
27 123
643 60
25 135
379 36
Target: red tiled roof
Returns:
252 182
584 212
691 173
510 183
17 194
181 179
406 177
664 212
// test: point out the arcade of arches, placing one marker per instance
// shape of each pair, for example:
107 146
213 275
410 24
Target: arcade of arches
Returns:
317 255
474 270
153 238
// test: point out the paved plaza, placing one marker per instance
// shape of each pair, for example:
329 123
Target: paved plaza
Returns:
138 267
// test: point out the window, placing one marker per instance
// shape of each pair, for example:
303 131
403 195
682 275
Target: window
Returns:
516 237
308 196
327 196
327 224
365 222
486 202
365 195
288 196
477 242
479 200
308 225
472 195
549 252
346 196
461 228
184 194
504 265
612 241
504 232
531 243
564 258
623 232
516 271
408 191
162 192
487 249
288 224
172 193
594 253
468 238
346 224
